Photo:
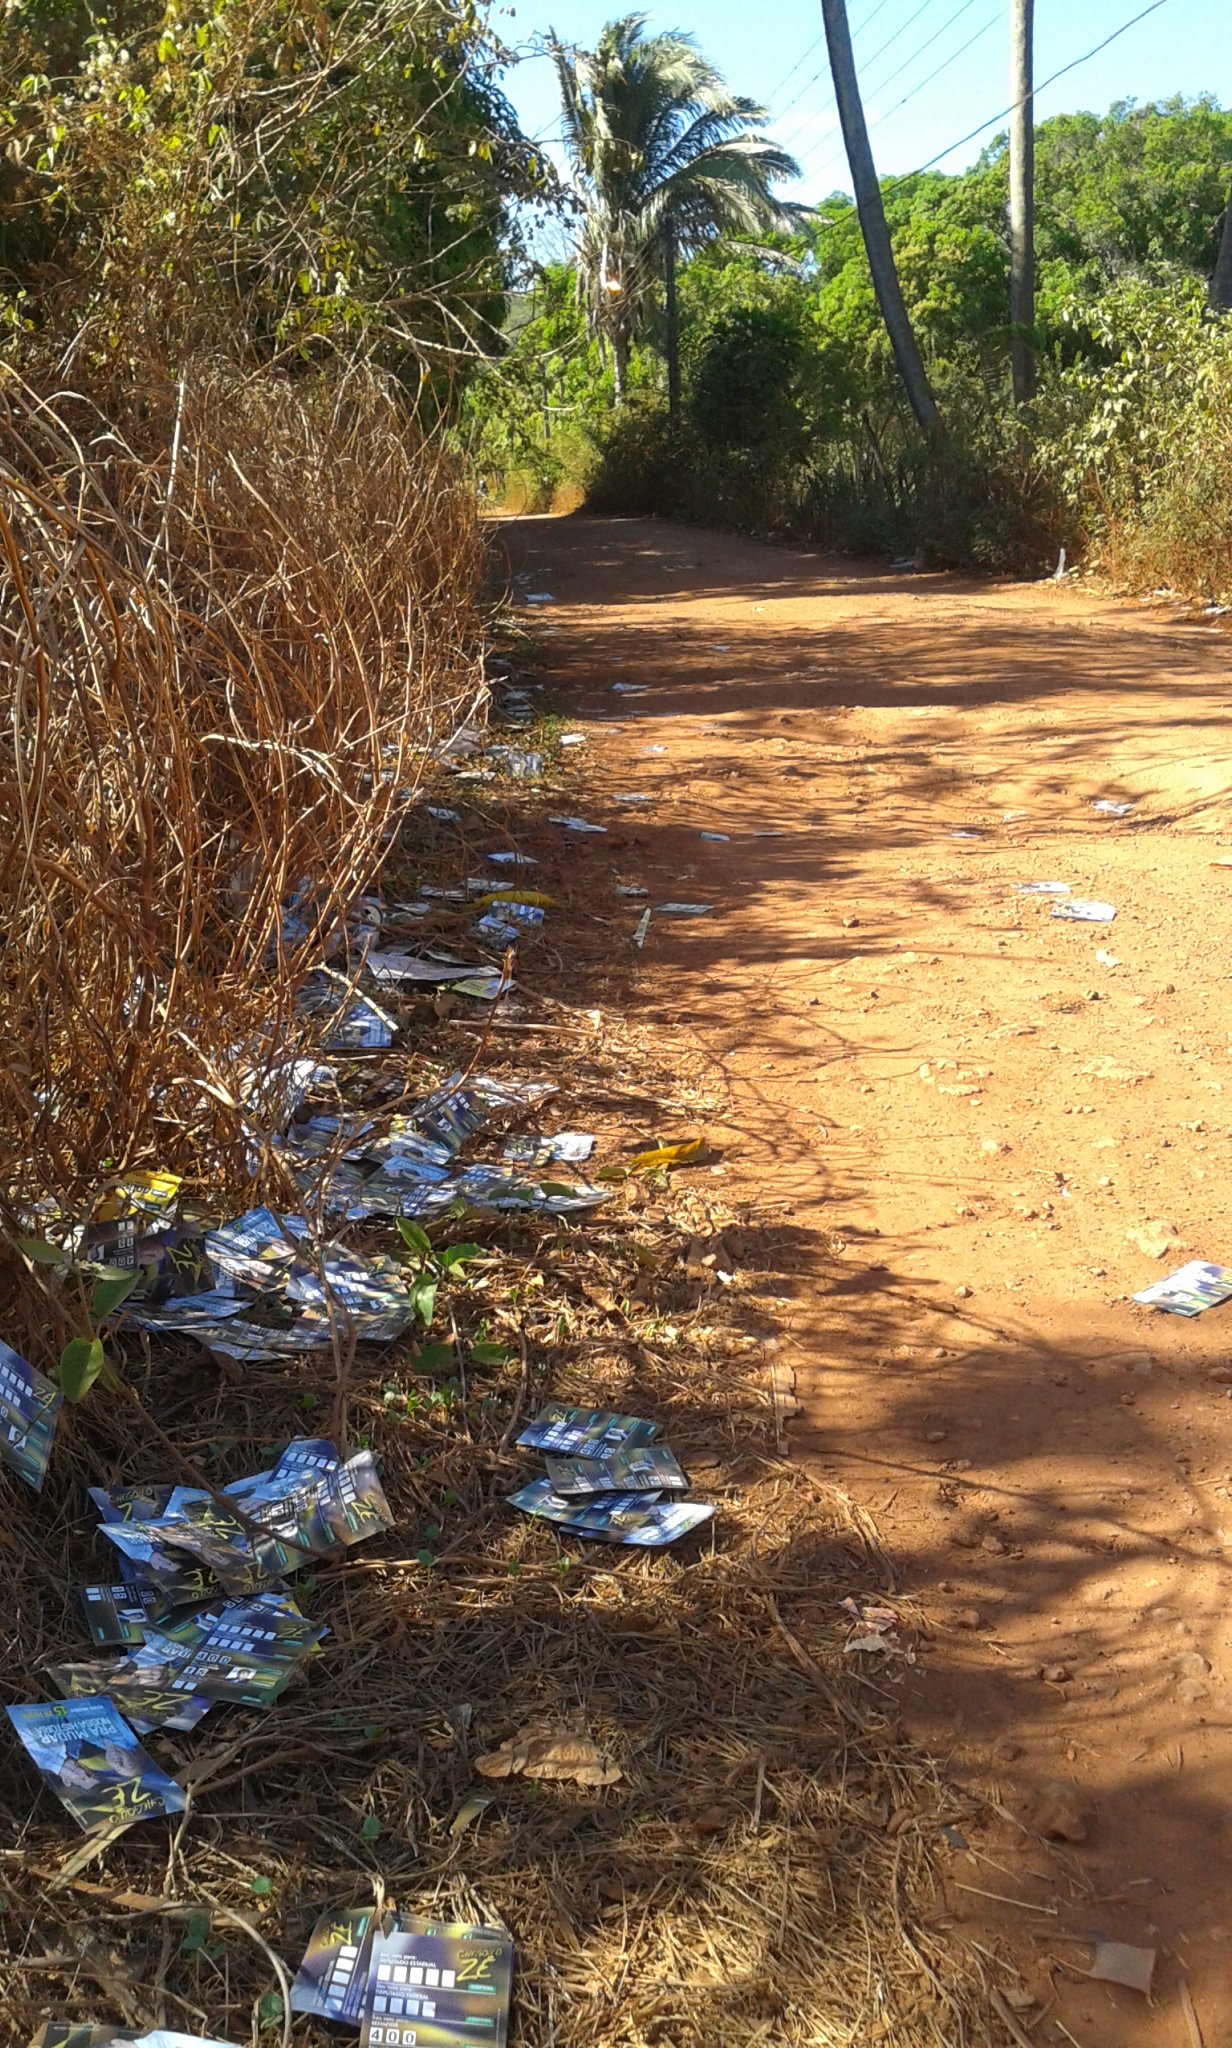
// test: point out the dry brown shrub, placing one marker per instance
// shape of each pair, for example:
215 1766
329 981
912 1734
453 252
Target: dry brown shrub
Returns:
225 656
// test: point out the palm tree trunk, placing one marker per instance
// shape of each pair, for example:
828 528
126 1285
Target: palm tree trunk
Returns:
620 363
1022 198
872 215
673 331
1219 297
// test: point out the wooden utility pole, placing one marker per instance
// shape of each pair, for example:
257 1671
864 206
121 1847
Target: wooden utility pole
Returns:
872 214
1219 297
1022 197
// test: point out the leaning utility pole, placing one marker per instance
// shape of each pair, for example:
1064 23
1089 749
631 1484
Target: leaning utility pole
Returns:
872 214
1022 198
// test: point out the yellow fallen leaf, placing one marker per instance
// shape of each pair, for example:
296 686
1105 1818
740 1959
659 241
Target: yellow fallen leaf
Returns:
670 1155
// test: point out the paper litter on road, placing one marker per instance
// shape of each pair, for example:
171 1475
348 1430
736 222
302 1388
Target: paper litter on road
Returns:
1117 1962
634 796
394 966
518 764
640 930
630 689
484 988
567 1148
577 825
1109 808
515 860
81 2034
451 1980
1084 911
585 1432
90 1758
684 909
631 889
614 1518
652 750
1189 1290
1041 888
29 1404
442 816
636 1470
537 597
573 739
1106 959
723 836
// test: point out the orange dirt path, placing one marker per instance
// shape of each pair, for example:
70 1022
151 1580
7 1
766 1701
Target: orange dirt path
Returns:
964 1106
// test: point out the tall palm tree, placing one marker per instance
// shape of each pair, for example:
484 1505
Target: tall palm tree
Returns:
664 160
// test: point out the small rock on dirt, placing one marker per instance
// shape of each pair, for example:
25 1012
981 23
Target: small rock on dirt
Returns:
1006 1750
968 1617
963 1293
1155 1238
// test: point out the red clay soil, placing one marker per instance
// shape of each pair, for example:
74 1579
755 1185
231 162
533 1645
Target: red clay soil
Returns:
987 1129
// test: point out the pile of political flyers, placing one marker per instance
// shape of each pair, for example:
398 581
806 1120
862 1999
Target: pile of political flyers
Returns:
407 1982
605 1478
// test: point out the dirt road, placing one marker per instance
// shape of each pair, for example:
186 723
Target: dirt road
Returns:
987 1128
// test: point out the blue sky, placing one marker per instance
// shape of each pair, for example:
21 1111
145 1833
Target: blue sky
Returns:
931 70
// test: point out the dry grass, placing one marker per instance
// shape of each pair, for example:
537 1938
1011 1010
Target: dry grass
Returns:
761 1873
223 659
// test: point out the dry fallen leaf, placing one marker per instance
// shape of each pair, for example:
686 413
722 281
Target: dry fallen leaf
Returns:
541 1750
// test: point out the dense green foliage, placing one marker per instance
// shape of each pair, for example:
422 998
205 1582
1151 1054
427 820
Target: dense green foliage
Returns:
793 414
271 177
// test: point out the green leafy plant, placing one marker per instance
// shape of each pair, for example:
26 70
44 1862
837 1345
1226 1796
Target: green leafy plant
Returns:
429 1268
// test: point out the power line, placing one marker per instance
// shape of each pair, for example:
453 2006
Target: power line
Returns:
927 45
880 51
883 48
1125 26
771 97
960 52
953 58
892 184
816 45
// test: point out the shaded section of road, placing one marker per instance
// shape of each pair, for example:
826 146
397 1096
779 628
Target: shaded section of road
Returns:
979 1122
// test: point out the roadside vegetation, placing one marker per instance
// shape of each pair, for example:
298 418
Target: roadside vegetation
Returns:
791 417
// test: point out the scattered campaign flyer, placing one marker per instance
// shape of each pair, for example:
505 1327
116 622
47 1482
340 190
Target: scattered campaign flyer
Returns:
434 1985
634 1518
332 1980
75 2034
28 1405
567 1148
256 1250
645 1467
1189 1290
139 1686
251 1653
92 1761
119 1614
131 1503
585 1432
179 1578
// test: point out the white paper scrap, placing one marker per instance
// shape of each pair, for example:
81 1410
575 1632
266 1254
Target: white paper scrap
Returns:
1078 911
